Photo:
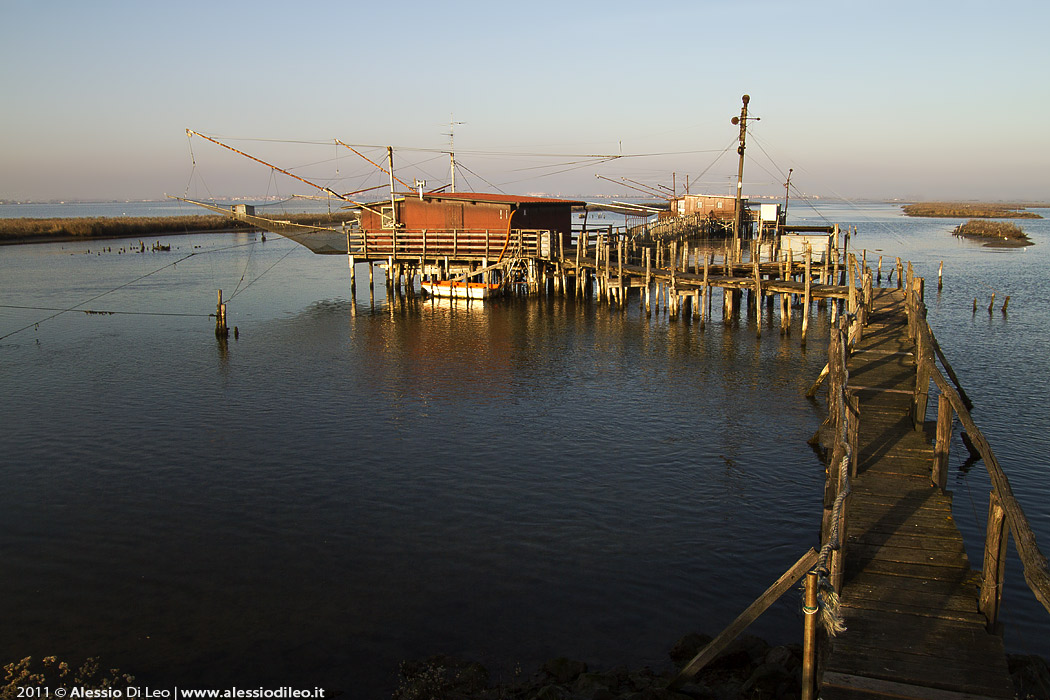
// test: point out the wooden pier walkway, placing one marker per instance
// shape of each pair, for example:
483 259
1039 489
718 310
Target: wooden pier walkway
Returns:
909 598
903 613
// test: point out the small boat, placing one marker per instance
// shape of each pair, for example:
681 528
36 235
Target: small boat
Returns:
461 290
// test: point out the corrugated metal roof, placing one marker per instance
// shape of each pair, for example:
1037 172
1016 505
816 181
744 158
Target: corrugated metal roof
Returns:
499 198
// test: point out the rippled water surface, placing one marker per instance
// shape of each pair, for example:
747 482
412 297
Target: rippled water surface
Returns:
350 484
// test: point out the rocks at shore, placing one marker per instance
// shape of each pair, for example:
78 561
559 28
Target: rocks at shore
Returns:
748 668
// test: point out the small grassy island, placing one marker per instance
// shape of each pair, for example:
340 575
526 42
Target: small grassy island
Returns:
996 233
969 210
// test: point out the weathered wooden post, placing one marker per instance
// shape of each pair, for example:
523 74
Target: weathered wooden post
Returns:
809 638
945 414
758 295
993 570
221 330
923 360
647 287
785 314
619 271
706 301
940 276
851 300
807 297
350 260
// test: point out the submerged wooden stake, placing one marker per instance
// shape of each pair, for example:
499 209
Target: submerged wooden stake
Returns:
221 330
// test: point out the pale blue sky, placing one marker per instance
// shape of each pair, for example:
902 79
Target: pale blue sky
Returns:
889 99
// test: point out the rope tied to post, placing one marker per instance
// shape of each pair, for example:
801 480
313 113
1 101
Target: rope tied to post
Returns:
828 598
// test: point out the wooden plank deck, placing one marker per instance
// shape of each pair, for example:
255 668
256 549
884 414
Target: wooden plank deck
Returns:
909 596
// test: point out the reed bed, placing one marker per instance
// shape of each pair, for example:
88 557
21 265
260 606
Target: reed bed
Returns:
28 230
992 230
969 210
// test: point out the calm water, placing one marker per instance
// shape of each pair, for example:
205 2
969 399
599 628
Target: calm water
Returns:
351 484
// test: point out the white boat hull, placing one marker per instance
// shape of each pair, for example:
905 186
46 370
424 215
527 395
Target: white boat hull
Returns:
460 290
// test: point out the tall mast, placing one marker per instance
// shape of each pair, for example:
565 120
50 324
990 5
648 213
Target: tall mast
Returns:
738 220
390 169
452 147
787 193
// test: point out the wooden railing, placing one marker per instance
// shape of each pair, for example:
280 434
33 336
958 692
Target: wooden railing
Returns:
471 244
1005 515
843 423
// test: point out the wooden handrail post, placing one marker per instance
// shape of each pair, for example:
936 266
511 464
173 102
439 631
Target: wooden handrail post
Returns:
853 430
993 569
945 414
809 639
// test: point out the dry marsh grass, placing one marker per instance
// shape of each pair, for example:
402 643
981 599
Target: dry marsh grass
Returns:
969 210
28 230
1000 231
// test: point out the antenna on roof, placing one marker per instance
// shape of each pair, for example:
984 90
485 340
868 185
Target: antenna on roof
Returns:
452 146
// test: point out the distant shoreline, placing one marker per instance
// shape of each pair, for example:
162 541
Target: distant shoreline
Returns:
67 230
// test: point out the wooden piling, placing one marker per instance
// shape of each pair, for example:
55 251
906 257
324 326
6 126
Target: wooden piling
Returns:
221 329
706 301
581 242
758 295
808 294
940 276
647 287
785 314
619 271
809 638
